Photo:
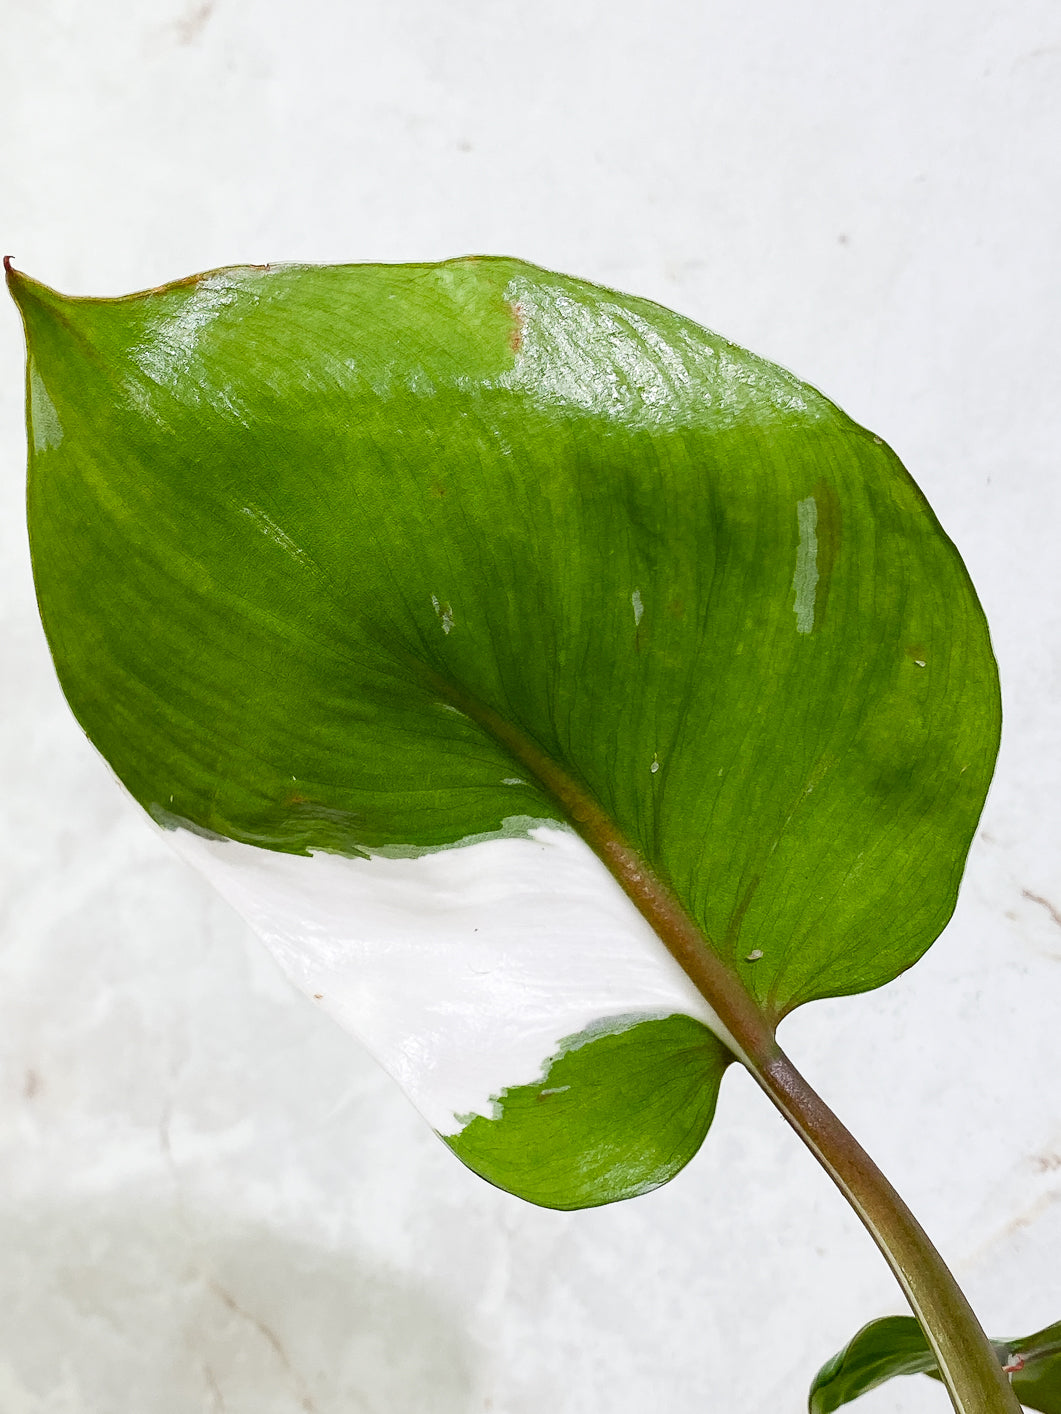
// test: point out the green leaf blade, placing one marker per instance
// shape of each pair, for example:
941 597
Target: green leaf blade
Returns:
615 1115
301 534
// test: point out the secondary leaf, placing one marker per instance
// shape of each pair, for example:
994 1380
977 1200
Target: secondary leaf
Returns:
896 1345
448 569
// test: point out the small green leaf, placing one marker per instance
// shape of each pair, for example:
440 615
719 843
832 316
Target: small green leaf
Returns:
1036 1364
407 598
896 1345
893 1345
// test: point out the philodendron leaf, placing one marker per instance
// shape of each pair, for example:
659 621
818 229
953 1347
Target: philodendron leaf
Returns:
896 1345
455 617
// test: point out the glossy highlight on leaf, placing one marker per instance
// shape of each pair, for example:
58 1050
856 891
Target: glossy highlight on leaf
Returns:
896 1345
404 561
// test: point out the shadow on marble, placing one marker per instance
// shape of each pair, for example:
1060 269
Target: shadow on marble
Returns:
118 1307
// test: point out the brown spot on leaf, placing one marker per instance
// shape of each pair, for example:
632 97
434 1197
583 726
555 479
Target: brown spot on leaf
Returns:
515 338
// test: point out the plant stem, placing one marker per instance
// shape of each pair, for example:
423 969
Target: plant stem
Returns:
968 1363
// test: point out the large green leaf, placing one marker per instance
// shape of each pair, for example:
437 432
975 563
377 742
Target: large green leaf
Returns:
447 570
896 1345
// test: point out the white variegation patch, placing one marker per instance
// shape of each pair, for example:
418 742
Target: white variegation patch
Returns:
45 427
463 969
805 580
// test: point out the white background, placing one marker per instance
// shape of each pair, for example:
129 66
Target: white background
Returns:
209 1198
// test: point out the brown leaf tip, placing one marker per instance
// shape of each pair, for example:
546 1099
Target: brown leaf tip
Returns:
8 267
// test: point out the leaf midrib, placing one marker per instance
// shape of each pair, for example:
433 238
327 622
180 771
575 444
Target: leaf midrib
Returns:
749 1028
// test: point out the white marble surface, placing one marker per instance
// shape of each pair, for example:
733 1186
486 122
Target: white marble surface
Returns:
210 1199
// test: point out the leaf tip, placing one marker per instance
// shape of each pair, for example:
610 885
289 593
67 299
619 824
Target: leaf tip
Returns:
23 287
16 281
